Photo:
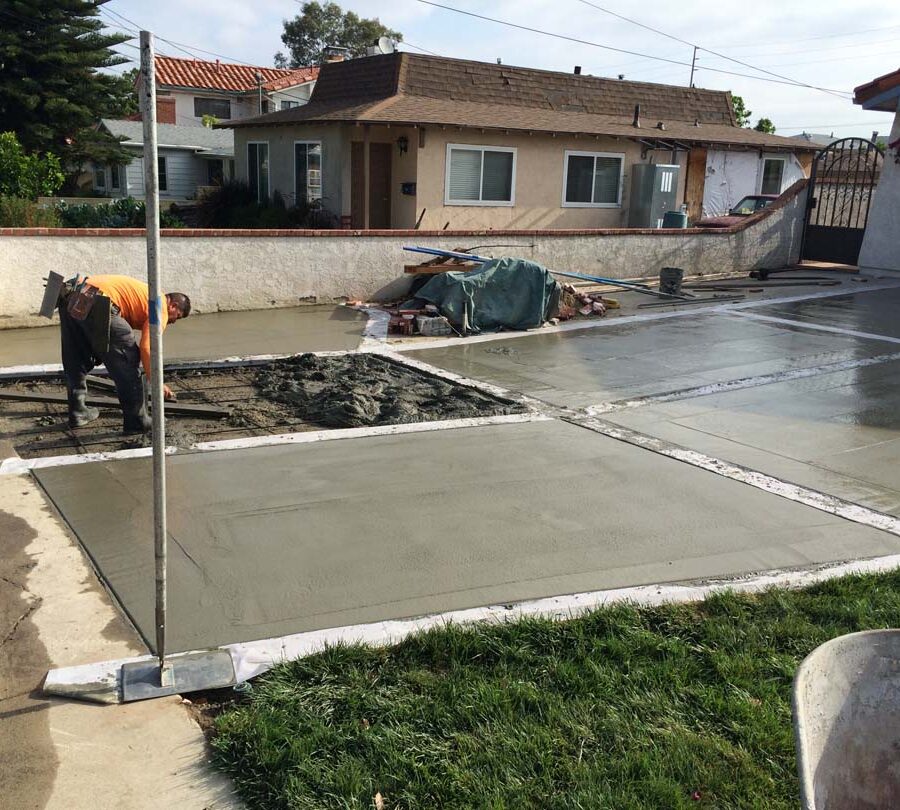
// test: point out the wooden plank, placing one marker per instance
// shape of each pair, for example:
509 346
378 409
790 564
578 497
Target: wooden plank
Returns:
432 269
695 184
101 382
172 408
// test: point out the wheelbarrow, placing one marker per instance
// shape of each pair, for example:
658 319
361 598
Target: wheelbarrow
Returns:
846 703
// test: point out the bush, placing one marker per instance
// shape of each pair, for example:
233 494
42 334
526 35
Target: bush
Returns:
124 213
16 212
27 176
233 205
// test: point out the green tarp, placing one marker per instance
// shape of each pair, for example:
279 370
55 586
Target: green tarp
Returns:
502 293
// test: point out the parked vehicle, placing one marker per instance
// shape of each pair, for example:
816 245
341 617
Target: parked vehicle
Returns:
747 206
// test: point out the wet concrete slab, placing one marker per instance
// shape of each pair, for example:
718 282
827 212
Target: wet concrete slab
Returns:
582 368
278 540
839 432
861 312
219 334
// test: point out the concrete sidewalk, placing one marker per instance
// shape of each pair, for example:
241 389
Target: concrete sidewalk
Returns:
66 755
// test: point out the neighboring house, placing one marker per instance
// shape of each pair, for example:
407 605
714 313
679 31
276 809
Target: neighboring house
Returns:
882 236
188 89
399 140
815 138
189 159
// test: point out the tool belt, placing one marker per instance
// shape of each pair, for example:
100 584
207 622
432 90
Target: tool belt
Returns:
88 304
80 297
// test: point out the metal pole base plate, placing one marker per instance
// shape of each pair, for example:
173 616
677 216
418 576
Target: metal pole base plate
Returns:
191 672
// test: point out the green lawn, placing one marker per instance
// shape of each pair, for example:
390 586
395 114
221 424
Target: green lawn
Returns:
671 707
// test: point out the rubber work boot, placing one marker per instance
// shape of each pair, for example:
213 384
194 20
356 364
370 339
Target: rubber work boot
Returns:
133 409
79 412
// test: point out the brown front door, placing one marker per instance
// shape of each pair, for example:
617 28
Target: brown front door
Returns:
379 185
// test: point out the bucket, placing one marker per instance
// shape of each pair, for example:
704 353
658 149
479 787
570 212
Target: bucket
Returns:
670 280
675 219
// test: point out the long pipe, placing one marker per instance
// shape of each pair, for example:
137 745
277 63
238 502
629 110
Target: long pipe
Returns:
154 304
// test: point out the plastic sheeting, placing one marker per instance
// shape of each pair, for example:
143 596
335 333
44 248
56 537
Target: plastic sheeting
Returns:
502 293
731 176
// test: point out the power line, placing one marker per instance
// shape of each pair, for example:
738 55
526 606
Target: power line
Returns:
705 50
824 36
830 126
578 41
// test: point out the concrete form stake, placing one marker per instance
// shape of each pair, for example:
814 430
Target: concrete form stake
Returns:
155 303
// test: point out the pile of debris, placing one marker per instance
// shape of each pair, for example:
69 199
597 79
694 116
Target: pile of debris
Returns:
358 390
572 303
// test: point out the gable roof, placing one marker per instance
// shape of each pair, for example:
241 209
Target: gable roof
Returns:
405 88
205 75
879 94
202 140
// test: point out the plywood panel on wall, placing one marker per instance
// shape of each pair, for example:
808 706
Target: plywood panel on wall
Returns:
696 180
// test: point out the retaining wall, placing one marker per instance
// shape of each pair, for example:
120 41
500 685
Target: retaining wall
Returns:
242 269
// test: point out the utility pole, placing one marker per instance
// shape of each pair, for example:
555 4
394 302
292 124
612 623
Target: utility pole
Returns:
693 65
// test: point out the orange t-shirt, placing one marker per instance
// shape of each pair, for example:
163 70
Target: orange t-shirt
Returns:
131 297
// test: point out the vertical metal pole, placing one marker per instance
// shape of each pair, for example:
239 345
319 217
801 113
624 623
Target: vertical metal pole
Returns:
155 302
693 65
367 191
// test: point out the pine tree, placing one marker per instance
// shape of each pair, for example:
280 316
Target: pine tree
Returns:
51 89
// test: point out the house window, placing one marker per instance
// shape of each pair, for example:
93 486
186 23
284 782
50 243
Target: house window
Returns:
592 180
115 177
288 105
215 172
307 171
218 107
258 169
100 178
772 174
480 175
163 176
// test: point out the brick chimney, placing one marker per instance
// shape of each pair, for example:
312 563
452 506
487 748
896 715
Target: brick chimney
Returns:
165 109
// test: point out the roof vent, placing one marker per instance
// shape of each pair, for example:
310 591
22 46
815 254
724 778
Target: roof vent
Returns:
621 77
217 65
660 125
577 70
696 122
637 116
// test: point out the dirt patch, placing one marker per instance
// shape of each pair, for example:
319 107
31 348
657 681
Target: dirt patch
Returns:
359 390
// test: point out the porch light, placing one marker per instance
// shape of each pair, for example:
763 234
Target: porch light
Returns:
403 144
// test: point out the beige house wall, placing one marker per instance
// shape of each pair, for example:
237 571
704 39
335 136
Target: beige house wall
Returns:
540 167
882 237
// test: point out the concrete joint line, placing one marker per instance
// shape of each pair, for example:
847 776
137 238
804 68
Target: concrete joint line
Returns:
818 327
737 385
745 475
99 681
576 326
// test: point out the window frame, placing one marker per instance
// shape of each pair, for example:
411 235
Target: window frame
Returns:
268 174
565 184
286 104
217 100
100 172
162 173
310 142
115 177
762 173
479 202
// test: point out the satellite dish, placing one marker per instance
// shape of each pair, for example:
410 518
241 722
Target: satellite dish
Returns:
386 45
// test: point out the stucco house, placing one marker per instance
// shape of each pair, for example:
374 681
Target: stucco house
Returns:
399 140
189 159
879 248
188 89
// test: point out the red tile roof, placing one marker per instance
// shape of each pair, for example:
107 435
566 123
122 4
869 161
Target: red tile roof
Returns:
869 90
206 75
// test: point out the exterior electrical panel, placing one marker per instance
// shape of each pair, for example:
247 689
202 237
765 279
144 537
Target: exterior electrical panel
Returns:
654 191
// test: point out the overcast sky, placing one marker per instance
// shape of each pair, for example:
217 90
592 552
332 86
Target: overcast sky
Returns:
830 44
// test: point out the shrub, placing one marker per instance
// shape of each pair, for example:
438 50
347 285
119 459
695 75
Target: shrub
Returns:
16 212
233 204
123 213
27 176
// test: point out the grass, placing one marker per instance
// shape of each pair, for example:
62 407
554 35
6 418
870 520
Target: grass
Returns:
682 706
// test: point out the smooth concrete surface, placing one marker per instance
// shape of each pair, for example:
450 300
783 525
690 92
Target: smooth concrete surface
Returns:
838 433
221 334
582 368
68 755
278 540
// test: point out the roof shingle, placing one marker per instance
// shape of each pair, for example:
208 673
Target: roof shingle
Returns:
206 75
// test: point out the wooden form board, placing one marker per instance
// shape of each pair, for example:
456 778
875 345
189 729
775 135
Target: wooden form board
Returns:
695 183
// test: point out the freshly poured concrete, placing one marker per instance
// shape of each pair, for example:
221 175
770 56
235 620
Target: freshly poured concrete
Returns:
219 334
279 540
582 368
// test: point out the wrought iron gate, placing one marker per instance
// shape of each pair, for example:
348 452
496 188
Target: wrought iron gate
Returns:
842 182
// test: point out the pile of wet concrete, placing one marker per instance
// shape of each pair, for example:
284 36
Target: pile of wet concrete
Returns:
359 390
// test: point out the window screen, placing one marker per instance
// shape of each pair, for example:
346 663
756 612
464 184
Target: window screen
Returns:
592 179
219 107
480 175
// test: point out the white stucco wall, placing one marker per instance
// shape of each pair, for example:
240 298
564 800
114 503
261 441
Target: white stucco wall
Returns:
881 242
261 271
